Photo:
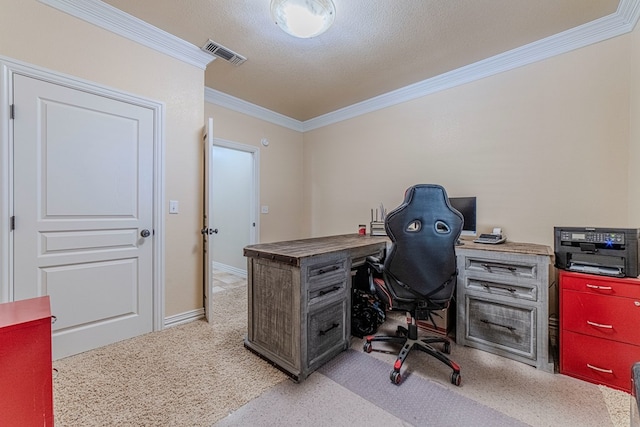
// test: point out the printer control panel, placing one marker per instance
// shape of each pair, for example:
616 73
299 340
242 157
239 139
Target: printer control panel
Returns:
592 237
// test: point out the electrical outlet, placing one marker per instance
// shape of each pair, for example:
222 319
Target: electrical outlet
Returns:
264 209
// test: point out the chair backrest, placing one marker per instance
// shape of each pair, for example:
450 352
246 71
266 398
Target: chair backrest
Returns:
423 230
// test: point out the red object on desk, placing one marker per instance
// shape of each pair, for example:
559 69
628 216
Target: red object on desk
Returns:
26 383
599 333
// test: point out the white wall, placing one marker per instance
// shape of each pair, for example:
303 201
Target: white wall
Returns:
540 146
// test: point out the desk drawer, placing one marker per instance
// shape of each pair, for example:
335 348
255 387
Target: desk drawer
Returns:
526 291
327 331
501 268
328 289
501 326
598 360
601 316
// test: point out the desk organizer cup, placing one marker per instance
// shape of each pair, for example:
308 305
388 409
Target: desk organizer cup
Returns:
377 228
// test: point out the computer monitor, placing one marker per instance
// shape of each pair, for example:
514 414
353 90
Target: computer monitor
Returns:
467 207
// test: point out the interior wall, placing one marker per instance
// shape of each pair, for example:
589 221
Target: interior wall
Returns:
281 178
540 146
45 37
634 130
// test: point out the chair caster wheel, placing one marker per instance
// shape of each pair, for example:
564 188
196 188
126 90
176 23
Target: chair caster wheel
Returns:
367 347
395 377
447 348
456 379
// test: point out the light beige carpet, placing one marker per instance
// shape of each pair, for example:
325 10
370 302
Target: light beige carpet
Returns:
196 374
189 375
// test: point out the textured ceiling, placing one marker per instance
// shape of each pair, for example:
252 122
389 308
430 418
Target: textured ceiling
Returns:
374 46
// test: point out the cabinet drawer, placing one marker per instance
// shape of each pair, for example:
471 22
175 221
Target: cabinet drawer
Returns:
327 330
608 317
597 360
502 326
527 291
502 269
322 271
600 285
337 287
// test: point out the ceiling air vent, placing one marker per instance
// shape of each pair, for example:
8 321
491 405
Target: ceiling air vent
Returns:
222 52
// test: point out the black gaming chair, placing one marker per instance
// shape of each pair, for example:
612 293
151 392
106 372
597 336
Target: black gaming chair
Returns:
419 272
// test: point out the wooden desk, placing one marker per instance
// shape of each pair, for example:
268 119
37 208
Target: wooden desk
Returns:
299 299
503 300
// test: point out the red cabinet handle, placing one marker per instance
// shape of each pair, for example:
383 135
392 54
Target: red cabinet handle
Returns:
595 368
599 325
602 288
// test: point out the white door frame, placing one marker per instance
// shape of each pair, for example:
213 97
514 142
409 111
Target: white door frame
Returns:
10 67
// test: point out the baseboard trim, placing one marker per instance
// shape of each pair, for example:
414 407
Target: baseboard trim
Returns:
229 269
182 318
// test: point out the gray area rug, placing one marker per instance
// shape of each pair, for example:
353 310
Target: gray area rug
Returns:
417 401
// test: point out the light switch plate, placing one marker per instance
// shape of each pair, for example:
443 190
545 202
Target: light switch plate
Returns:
173 206
264 209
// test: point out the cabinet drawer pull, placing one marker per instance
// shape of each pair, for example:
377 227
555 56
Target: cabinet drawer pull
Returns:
323 292
488 286
328 270
488 267
54 319
601 288
599 325
511 328
604 371
335 325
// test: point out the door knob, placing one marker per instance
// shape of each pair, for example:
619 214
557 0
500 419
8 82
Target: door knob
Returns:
145 233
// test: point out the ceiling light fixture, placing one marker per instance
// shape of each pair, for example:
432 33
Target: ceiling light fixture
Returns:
303 18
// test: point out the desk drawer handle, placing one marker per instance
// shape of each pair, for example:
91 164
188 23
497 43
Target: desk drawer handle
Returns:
488 286
604 371
488 267
485 321
599 325
335 325
601 288
323 292
328 270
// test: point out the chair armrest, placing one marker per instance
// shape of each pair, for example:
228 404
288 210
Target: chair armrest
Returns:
375 263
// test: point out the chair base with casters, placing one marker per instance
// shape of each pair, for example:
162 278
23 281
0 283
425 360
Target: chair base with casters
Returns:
409 339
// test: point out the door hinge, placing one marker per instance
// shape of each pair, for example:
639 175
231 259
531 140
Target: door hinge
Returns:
12 111
12 224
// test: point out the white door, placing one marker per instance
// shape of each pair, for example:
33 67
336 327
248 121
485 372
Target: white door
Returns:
83 206
231 204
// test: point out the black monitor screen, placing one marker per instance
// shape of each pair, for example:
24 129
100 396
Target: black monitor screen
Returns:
467 207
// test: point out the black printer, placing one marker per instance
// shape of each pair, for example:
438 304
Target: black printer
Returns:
603 251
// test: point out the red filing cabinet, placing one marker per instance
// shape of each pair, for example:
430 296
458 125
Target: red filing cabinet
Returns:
599 328
26 384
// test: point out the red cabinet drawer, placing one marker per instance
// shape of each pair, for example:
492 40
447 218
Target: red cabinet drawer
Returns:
612 286
597 360
609 317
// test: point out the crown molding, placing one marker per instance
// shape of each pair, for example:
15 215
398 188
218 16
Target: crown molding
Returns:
108 17
112 19
616 24
236 104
